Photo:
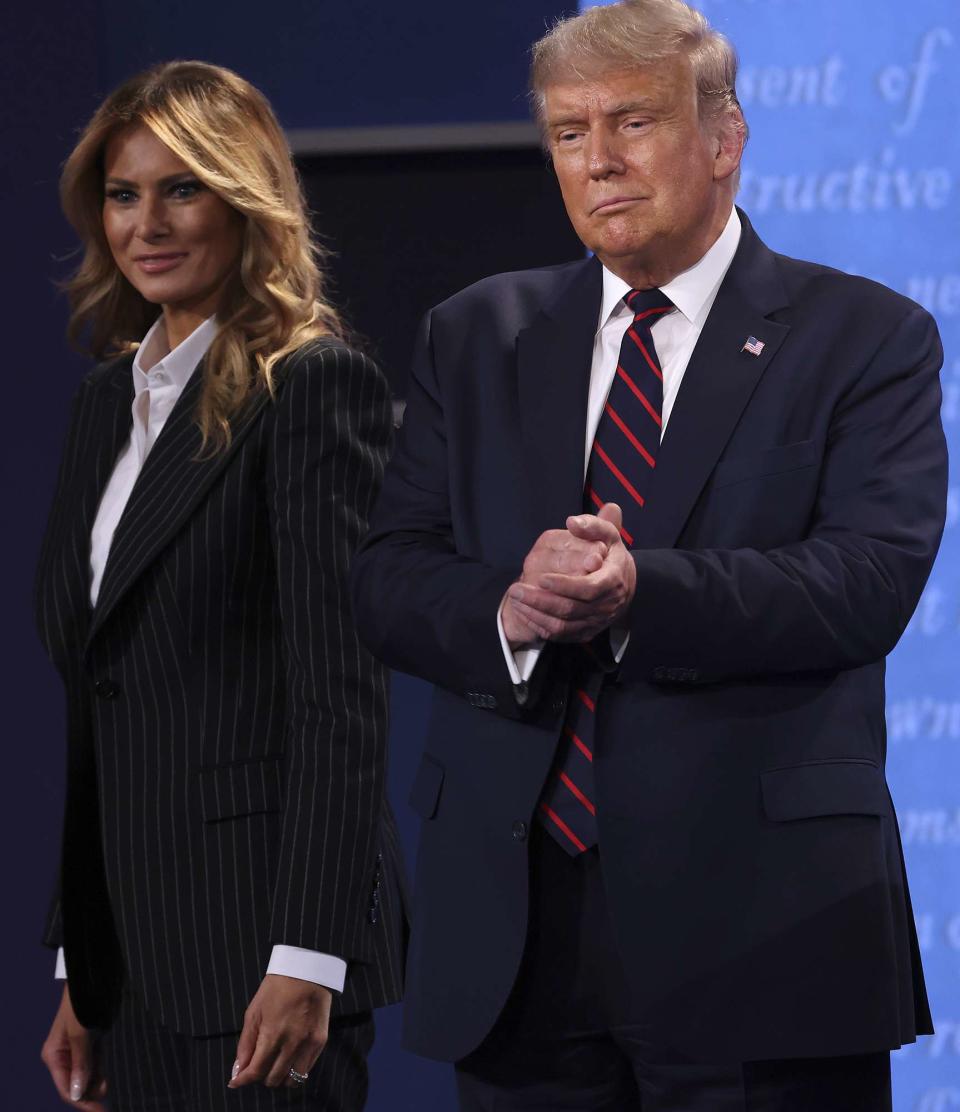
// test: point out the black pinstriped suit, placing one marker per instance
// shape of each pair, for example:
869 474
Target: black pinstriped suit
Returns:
226 731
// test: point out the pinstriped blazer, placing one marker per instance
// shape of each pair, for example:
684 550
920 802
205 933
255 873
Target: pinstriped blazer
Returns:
226 731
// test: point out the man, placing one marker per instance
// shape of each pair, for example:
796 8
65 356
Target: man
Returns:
659 865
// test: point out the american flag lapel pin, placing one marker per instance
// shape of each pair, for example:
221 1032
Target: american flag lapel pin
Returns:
753 345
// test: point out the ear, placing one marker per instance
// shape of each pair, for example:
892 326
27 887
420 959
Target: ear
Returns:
729 138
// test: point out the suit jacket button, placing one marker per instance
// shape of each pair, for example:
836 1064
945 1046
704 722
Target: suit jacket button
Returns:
660 673
557 705
106 689
519 831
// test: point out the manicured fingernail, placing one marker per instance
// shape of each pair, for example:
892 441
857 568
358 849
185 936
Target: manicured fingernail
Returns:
76 1088
235 1070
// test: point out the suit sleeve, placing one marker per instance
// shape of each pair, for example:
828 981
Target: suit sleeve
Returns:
842 596
330 443
422 606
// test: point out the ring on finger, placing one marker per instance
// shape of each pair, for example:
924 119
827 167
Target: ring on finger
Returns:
299 1078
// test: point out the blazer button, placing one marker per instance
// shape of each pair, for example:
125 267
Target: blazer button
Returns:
106 689
660 673
519 831
557 705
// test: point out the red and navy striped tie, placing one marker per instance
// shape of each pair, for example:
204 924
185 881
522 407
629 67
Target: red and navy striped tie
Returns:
621 465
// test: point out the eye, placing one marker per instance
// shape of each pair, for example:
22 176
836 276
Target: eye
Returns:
564 138
121 196
184 190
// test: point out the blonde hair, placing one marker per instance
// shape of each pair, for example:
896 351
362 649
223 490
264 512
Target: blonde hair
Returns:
633 33
224 130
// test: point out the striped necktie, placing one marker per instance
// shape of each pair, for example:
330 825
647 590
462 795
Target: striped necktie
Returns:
621 465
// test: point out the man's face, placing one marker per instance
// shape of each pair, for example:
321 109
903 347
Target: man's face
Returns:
646 184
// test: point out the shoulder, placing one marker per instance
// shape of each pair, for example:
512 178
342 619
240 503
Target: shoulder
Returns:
325 356
832 295
98 386
326 377
513 296
112 372
326 363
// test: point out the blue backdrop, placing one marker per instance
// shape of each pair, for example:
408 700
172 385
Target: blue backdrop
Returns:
854 161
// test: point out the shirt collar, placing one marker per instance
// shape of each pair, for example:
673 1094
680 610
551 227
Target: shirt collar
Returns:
692 291
176 366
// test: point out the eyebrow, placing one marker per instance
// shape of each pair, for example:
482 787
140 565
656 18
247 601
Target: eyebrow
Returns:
168 180
622 109
628 106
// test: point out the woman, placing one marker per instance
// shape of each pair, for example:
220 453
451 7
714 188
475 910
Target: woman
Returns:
231 875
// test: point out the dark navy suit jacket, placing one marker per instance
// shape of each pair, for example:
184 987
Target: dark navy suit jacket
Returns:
747 837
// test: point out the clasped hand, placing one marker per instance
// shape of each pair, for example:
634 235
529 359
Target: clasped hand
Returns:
576 582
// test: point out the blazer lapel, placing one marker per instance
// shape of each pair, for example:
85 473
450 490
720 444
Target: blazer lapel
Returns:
168 489
553 363
716 387
109 427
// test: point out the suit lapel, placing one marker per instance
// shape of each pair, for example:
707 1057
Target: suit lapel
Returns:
553 364
109 428
716 387
168 489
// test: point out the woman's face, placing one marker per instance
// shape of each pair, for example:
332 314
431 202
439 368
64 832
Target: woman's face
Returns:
174 240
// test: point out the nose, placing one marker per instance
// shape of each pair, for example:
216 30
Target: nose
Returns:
603 157
153 223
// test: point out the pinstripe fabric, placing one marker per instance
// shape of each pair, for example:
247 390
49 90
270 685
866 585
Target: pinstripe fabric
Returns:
153 1069
225 787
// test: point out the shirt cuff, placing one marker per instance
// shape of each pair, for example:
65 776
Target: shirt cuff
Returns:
521 663
60 973
619 639
308 965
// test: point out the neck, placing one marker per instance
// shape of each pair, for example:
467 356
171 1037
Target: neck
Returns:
181 323
664 259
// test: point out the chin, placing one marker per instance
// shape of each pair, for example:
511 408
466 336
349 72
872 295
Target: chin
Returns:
158 293
623 247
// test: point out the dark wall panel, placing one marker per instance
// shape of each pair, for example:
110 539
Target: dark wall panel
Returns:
407 231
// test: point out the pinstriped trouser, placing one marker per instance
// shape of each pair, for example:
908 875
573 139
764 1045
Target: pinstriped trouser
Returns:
150 1068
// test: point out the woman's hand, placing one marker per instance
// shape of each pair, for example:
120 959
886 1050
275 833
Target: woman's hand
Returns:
70 1054
284 1028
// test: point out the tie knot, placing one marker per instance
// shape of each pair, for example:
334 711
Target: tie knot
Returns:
648 302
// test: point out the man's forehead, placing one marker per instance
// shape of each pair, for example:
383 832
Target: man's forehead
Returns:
610 92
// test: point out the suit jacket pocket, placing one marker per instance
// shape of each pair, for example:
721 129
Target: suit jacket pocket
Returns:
837 787
774 461
425 793
245 788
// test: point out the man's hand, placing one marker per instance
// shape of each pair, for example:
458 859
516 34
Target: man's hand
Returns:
560 605
70 1054
557 551
284 1028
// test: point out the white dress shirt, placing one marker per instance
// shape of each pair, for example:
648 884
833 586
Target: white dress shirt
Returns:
675 335
159 376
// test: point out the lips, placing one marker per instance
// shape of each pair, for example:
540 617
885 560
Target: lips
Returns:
613 202
157 264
